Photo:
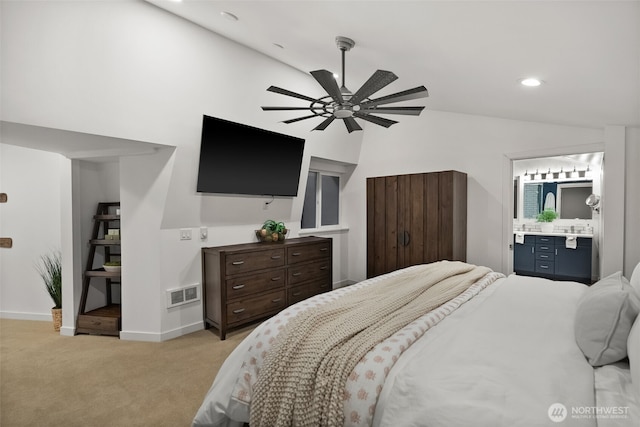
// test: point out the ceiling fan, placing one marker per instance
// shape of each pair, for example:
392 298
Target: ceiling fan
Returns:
341 103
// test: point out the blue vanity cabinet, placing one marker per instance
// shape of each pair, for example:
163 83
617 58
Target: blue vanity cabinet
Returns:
524 256
548 256
573 264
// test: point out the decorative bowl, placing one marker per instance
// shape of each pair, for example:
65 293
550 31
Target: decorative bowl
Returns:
112 268
270 237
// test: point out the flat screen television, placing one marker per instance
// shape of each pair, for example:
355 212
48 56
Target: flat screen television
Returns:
240 159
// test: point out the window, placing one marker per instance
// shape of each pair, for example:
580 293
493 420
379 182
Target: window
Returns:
321 200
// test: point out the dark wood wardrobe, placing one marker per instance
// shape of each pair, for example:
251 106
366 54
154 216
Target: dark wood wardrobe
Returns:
415 219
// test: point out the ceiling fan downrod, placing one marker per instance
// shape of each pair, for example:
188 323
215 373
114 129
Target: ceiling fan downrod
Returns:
344 44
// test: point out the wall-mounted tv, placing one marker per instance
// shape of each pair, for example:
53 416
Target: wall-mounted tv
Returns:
240 159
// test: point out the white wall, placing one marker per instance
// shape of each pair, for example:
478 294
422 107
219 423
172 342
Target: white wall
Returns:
31 217
471 144
129 70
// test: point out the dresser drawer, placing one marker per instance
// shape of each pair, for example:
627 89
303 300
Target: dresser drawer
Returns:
249 261
311 271
302 292
241 286
255 307
310 252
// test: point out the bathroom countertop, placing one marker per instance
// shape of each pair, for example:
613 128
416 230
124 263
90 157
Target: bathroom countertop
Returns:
555 233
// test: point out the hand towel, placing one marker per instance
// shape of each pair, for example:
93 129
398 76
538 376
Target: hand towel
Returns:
571 242
520 238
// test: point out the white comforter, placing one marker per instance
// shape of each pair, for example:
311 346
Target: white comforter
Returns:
502 358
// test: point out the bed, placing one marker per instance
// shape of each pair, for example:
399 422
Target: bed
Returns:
503 351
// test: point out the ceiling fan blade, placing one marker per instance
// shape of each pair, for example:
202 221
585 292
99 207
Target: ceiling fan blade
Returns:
377 81
288 108
300 118
328 82
281 91
324 124
351 124
410 111
415 93
375 119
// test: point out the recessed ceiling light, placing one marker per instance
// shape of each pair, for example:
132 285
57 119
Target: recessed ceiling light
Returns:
530 82
230 16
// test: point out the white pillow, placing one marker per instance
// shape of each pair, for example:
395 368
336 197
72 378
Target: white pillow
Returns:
604 317
633 350
635 279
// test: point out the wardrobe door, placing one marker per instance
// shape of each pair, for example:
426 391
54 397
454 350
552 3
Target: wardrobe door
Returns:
452 241
382 225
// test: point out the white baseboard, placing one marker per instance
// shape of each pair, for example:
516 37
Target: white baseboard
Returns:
67 331
16 315
163 336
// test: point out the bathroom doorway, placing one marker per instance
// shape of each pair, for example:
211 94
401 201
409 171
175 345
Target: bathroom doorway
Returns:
561 184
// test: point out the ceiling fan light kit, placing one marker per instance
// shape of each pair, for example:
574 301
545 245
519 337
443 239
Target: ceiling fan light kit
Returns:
341 103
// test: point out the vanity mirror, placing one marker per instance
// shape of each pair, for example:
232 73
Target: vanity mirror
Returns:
566 198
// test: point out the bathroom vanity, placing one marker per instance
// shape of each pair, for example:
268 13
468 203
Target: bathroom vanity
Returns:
557 256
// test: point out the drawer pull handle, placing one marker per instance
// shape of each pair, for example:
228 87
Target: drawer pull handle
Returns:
324 249
238 311
275 279
544 240
236 287
323 286
544 248
237 263
296 254
275 257
544 256
296 274
296 294
276 300
324 267
544 266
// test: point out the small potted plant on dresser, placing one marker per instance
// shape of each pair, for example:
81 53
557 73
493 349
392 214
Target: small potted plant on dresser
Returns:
545 218
272 231
50 269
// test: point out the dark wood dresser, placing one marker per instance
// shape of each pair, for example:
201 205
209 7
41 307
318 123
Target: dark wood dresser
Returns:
247 282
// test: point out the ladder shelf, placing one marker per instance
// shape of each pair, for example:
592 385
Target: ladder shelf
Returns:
105 320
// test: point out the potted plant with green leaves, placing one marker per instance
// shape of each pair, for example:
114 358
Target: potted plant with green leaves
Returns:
50 269
272 231
546 218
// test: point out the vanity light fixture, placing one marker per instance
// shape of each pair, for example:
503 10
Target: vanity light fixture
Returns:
575 174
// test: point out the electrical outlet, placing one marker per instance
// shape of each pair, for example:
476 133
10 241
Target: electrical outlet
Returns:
185 234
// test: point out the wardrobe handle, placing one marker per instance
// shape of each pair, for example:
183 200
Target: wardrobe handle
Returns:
404 238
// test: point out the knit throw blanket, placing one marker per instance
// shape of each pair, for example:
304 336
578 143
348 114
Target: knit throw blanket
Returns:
302 380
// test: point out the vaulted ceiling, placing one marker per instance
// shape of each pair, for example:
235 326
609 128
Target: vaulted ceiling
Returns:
469 54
